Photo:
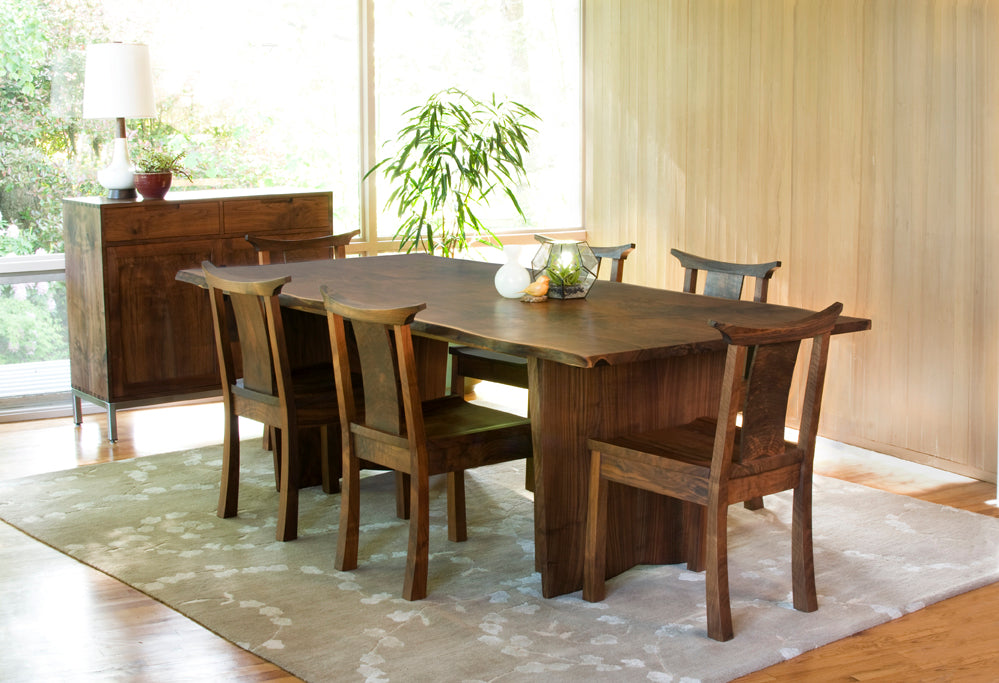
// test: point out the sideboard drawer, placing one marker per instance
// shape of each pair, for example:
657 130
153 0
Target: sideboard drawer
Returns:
160 219
267 214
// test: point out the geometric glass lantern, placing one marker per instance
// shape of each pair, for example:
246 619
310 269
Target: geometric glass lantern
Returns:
570 266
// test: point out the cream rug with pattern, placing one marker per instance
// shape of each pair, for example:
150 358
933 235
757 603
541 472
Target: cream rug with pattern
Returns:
150 522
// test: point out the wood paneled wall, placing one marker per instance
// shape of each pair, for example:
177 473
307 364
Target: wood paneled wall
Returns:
855 140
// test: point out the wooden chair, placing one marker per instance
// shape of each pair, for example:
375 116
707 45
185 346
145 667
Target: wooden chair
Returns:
492 366
726 280
723 279
270 250
710 464
398 430
269 390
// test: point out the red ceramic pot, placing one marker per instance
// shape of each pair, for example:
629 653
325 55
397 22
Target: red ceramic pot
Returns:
153 185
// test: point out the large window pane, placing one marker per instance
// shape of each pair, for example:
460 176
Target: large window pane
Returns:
525 50
266 90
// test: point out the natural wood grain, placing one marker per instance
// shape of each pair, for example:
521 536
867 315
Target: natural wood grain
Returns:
712 463
463 307
269 390
858 142
629 356
283 250
136 334
506 369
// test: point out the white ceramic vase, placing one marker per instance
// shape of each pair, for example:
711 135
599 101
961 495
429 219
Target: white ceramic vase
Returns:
512 278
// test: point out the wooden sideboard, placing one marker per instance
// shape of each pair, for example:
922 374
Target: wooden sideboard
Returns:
136 335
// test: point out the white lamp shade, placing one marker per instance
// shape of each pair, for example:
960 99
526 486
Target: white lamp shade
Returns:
118 82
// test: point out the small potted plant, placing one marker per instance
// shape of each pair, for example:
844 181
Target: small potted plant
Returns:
154 171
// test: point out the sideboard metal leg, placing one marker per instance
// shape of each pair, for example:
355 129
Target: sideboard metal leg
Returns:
112 423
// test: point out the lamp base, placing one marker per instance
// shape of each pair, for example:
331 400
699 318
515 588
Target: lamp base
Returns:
118 177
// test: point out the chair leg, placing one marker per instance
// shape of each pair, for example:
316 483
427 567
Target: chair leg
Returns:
331 466
529 474
287 522
350 508
694 536
418 555
755 503
229 487
595 549
275 449
716 579
457 528
402 495
457 380
802 559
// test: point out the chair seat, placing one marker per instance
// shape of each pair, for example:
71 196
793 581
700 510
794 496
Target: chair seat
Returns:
689 448
453 426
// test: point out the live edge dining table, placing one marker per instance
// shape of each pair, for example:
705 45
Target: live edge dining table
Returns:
625 358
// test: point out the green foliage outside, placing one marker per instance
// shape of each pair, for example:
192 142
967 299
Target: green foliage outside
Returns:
31 322
49 152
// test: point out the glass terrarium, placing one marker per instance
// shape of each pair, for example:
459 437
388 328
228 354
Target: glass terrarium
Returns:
570 266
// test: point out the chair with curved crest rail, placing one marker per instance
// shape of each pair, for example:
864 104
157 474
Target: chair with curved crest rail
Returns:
711 463
269 391
398 430
272 250
726 280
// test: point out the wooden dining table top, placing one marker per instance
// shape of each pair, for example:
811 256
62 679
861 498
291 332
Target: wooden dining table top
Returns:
616 323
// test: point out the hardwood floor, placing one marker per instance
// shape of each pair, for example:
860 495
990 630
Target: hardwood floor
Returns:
61 620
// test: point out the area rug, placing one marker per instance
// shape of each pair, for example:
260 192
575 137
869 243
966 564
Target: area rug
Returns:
150 522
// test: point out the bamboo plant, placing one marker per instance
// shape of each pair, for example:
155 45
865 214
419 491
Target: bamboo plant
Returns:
454 154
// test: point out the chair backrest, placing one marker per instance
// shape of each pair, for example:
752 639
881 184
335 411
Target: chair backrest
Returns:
271 250
723 279
254 306
392 401
616 255
761 388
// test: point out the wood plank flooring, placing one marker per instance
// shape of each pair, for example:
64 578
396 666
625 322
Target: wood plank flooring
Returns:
61 620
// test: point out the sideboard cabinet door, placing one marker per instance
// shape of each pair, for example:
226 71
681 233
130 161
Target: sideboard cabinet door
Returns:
176 354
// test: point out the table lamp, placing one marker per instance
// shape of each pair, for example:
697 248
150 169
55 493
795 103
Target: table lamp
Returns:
118 84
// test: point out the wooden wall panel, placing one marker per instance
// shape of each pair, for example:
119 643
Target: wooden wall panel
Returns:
855 140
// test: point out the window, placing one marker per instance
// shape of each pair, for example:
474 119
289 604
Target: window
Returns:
274 93
524 50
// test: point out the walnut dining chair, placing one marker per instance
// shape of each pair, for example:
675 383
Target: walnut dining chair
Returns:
711 463
726 280
269 391
287 250
273 250
394 428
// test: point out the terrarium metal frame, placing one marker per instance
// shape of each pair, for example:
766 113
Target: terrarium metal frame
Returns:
570 266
